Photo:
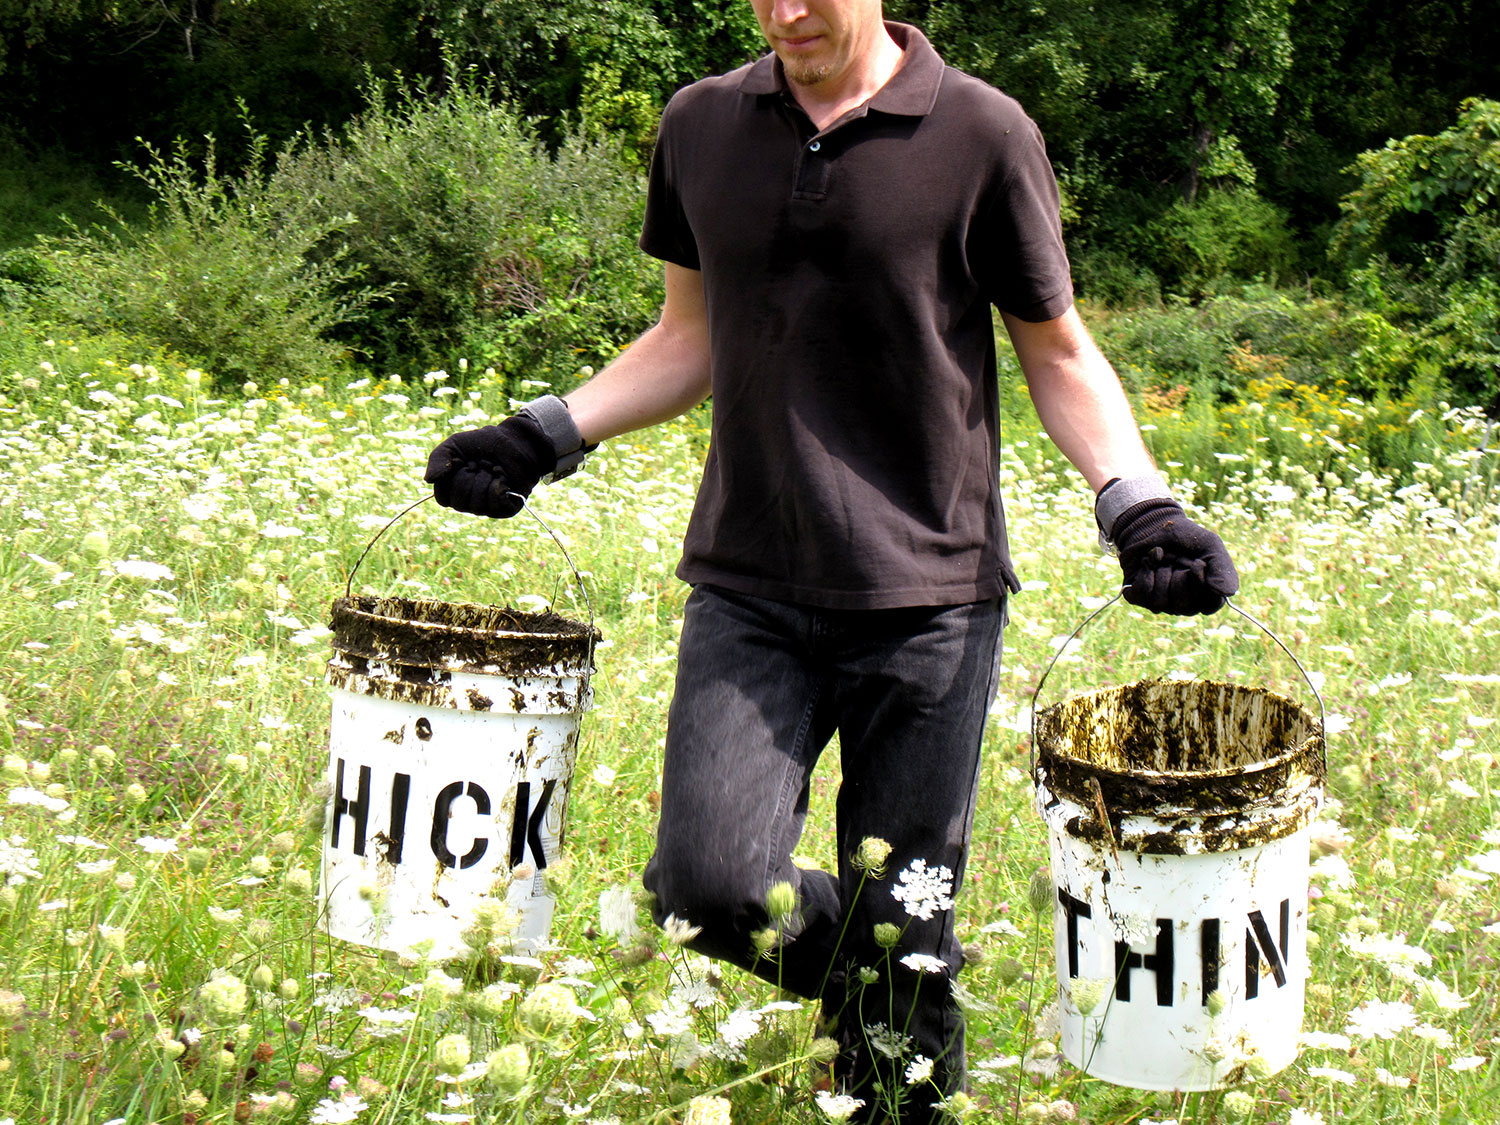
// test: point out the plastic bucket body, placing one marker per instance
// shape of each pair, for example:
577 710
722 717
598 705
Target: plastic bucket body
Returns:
452 743
1178 818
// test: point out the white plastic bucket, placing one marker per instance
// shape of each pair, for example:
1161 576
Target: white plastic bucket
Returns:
451 751
1178 818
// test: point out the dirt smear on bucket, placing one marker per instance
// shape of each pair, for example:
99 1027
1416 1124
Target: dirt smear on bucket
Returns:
1217 766
494 640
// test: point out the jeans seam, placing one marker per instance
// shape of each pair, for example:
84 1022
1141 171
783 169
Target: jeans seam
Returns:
794 765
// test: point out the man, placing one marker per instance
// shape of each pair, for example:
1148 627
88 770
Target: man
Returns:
836 221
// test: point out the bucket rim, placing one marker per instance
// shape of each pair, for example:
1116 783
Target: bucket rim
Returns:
1313 741
367 606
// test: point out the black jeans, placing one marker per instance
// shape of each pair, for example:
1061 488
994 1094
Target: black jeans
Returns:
761 688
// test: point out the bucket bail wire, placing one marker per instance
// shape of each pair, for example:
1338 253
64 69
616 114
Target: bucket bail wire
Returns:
452 746
1178 816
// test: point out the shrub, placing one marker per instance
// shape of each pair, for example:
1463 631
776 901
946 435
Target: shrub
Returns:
224 272
1224 234
1421 232
485 244
1318 341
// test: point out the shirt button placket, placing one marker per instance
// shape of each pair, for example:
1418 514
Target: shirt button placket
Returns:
812 173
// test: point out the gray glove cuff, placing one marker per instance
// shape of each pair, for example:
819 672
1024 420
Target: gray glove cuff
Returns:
1123 493
552 416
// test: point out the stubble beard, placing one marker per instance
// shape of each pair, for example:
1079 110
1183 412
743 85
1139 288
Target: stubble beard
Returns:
806 72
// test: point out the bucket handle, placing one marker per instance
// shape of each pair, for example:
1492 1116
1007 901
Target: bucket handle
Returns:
1264 628
583 589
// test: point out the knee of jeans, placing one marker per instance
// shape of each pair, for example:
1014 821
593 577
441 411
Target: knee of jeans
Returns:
727 902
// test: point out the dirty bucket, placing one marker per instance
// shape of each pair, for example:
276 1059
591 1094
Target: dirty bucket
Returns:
1178 816
452 744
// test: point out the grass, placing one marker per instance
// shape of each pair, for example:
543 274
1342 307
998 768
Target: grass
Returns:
170 559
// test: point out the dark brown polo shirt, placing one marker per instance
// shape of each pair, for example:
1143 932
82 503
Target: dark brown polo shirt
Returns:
849 276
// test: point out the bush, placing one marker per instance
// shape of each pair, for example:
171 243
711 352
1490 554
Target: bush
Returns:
484 243
1223 235
239 278
1318 341
1421 233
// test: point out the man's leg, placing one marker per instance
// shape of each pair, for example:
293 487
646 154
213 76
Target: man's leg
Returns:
760 688
751 713
912 696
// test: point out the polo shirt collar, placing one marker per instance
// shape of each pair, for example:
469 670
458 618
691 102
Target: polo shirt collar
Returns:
911 92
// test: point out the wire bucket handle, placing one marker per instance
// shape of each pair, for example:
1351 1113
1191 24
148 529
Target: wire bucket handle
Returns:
583 589
1322 711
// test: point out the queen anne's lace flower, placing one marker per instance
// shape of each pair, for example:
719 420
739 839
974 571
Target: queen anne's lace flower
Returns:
924 891
838 1107
1381 1019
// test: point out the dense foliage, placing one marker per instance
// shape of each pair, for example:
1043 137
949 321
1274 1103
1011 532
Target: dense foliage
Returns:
462 178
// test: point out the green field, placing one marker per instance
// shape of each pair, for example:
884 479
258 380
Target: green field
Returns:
168 566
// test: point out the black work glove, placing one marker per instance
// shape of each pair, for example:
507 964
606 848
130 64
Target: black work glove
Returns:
1171 564
478 470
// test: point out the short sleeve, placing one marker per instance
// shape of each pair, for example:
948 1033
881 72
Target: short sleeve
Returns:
1018 253
666 233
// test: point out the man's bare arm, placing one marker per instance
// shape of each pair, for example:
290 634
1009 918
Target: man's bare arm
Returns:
1169 563
1079 399
663 374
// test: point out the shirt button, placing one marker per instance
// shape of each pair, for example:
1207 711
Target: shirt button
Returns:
814 146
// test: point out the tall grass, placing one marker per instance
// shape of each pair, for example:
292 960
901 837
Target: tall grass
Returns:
171 557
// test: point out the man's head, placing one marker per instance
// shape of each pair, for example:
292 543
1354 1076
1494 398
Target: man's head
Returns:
820 41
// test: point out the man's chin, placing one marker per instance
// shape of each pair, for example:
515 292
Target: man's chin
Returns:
806 72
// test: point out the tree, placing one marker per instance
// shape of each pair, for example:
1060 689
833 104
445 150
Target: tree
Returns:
1424 224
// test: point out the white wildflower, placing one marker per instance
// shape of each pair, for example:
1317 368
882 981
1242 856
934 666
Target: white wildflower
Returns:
1389 951
678 931
17 863
617 914
888 1042
336 1111
1381 1019
838 1107
1331 1074
148 571
919 1070
1133 929
1331 1041
924 963
924 891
